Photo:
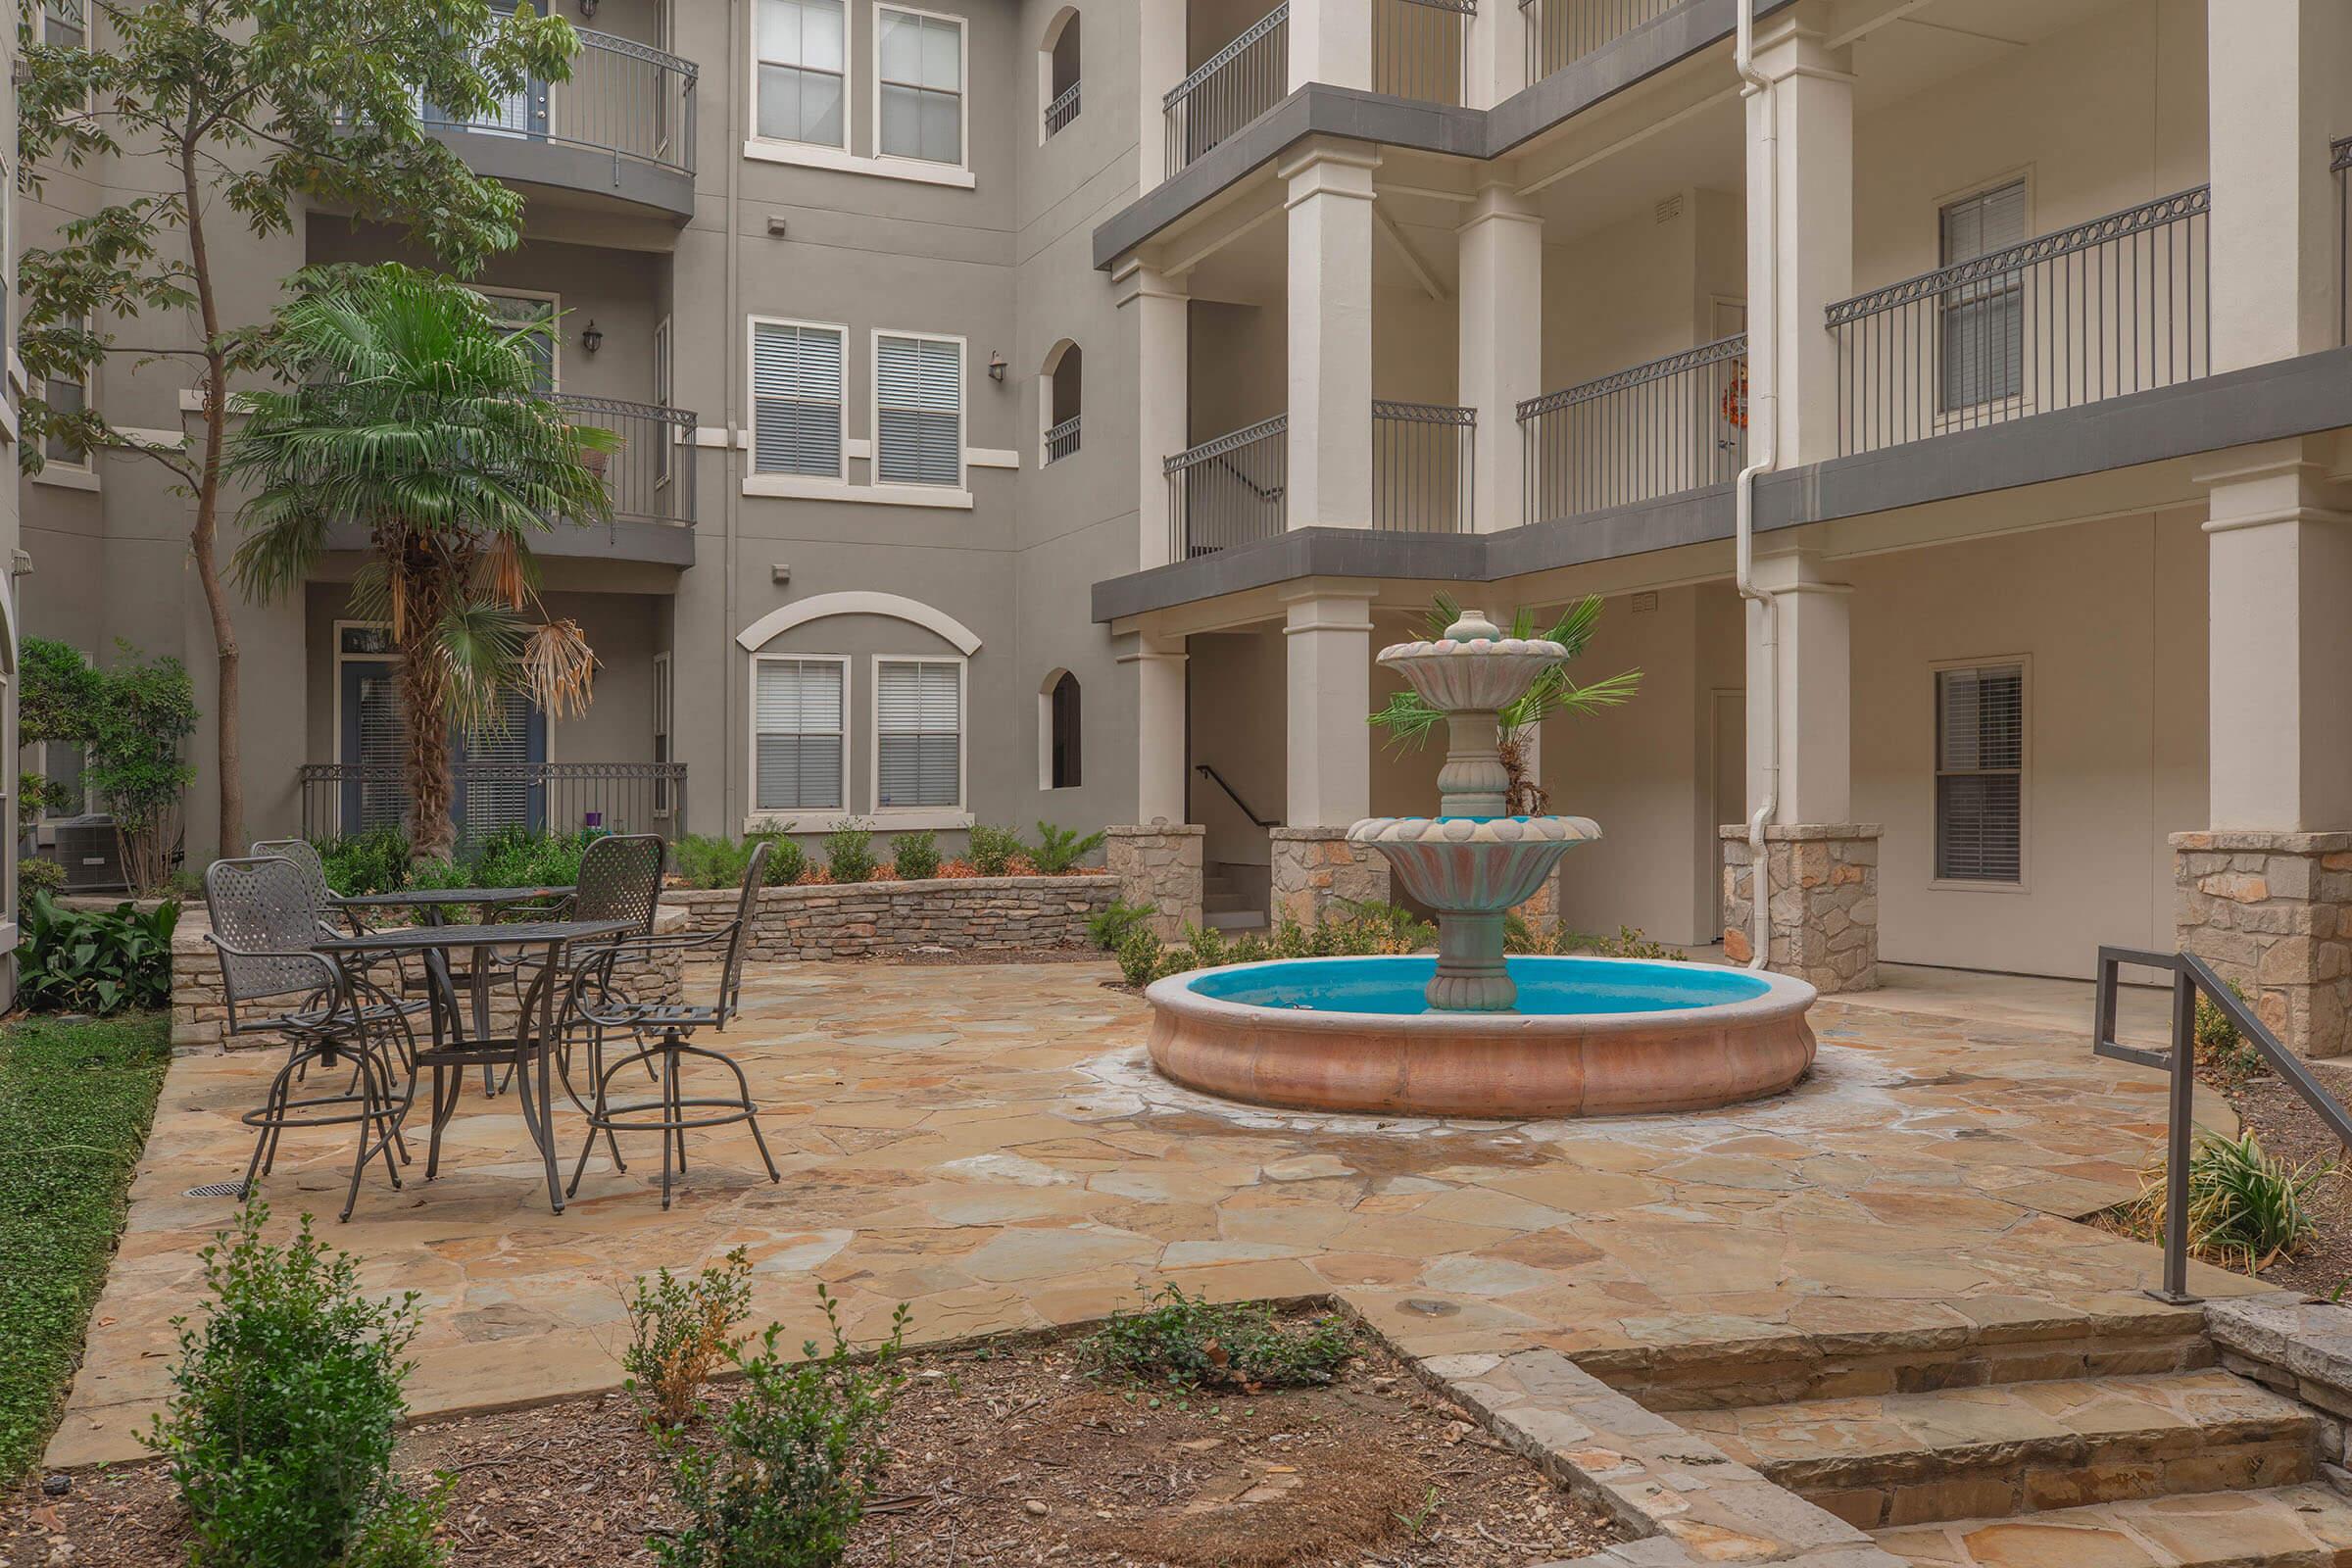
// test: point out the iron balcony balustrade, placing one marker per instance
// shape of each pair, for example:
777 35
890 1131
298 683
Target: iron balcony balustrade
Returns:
1063 109
1231 490
630 105
1670 426
342 798
1062 440
1561 32
2339 164
1420 49
2121 303
1422 472
650 475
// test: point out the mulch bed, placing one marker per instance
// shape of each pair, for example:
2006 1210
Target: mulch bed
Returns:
2276 1114
1002 1458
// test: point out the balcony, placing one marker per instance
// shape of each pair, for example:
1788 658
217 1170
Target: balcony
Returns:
2115 306
339 797
1673 425
1235 490
617 138
1561 32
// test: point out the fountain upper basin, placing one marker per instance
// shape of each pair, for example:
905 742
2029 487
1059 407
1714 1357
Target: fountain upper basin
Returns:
1594 1037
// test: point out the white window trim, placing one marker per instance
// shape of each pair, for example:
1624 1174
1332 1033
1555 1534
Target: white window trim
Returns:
555 318
754 481
750 90
808 155
1992 411
2024 773
89 42
65 473
964 93
770 820
898 816
963 412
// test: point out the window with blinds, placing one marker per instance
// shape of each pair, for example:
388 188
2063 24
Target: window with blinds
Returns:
1980 773
804 59
918 69
796 399
1984 321
918 719
918 411
67 398
66 24
796 734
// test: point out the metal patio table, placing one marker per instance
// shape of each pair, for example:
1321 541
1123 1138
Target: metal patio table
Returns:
526 1051
427 905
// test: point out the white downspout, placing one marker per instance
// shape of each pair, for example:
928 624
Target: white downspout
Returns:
1763 426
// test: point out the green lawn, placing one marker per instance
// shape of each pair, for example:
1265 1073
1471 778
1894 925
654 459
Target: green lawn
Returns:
76 1101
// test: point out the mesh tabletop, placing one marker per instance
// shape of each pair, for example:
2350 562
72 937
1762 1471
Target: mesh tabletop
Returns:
420 938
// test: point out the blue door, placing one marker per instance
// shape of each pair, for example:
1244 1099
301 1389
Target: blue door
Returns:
501 772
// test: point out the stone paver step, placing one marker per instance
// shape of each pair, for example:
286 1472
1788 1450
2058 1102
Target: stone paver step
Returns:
2020 1448
2292 1527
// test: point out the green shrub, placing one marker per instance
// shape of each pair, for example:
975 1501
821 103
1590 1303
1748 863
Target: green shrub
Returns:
36 875
798 1456
1109 928
1143 957
2245 1208
2221 1048
787 863
518 858
1189 1342
915 856
441 875
1519 935
704 862
680 1331
374 861
850 854
1367 926
995 848
89 960
1058 849
279 1434
1204 948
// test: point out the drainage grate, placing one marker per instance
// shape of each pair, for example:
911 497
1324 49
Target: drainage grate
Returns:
215 1190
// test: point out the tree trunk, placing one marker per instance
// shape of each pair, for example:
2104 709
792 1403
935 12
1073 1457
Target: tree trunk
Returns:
424 720
203 538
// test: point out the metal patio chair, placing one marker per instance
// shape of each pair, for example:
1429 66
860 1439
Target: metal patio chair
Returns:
662 1029
264 923
305 855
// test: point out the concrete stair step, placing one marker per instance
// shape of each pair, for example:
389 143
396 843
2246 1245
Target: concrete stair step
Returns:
2011 1448
2290 1527
1223 902
1236 919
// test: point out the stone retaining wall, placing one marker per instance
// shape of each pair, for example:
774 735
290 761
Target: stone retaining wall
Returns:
2296 1347
864 919
1825 902
2273 913
1157 864
1316 868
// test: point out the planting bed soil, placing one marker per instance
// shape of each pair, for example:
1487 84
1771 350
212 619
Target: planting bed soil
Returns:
1001 1459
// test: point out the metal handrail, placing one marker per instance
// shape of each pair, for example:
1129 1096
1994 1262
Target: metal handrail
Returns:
650 477
1233 795
2131 221
2191 975
1063 109
2341 148
1192 456
1728 348
625 98
1217 62
1061 439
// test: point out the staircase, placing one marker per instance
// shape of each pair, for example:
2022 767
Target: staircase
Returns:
2122 1449
1231 898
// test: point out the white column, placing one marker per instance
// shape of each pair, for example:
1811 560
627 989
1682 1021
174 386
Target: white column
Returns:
1160 726
2273 71
1161 52
1501 344
1811 149
1327 641
1814 676
1495 54
1329 304
2280 562
1331 42
1161 319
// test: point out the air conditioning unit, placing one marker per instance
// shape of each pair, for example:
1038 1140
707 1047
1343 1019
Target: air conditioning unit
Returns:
86 847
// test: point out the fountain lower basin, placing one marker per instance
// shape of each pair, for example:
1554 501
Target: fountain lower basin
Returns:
1591 1037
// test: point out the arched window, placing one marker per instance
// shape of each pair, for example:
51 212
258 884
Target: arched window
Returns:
1058 73
1058 765
1060 399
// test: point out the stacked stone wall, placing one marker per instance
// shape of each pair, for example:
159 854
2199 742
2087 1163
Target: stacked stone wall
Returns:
869 919
1824 883
2273 913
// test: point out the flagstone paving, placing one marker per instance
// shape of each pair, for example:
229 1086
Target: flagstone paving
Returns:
990 1146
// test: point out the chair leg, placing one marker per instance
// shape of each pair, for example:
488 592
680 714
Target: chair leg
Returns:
273 1110
743 1088
672 1115
443 1104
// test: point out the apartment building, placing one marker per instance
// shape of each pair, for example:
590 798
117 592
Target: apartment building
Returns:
1048 411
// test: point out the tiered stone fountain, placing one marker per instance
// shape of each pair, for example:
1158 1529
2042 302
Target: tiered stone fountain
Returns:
1472 1031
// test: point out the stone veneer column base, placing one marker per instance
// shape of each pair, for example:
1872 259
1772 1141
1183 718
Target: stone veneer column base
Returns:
1825 902
1159 863
1316 868
2273 913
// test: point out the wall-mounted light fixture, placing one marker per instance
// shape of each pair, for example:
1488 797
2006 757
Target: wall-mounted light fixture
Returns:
996 365
590 338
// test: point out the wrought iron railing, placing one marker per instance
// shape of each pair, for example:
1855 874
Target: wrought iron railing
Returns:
1232 86
339 797
2190 976
1063 109
1671 425
625 98
2121 303
1420 49
1061 439
1422 470
651 473
1230 491
2340 165
1561 32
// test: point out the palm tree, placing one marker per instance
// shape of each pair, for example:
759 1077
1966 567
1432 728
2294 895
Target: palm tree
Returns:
414 412
1410 721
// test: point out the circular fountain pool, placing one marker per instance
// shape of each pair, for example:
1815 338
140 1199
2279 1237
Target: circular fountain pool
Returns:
1589 1037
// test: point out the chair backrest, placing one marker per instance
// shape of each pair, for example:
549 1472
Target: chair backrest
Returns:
739 935
305 855
263 905
620 879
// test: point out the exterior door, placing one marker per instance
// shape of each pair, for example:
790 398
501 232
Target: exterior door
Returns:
500 772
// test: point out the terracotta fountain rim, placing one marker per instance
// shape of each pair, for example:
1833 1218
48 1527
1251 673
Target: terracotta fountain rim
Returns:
1782 995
